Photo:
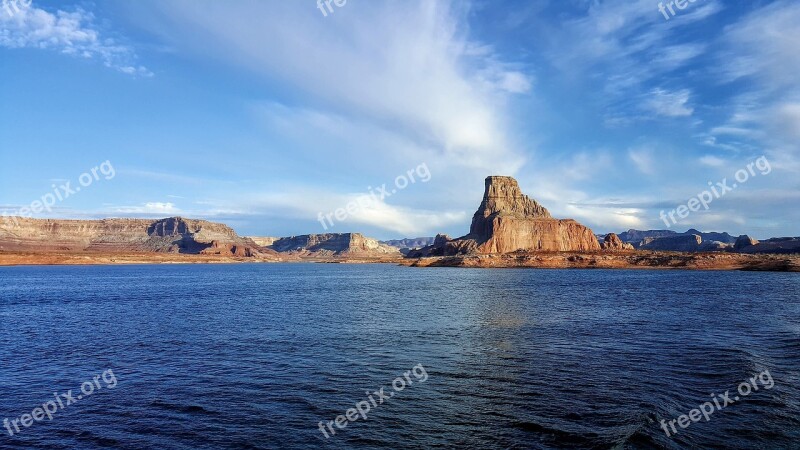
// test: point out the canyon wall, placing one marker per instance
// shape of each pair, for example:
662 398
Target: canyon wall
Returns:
170 235
334 244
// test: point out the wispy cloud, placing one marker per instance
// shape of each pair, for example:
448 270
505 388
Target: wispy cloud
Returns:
669 104
71 33
761 55
764 46
424 77
712 161
643 160
385 86
149 208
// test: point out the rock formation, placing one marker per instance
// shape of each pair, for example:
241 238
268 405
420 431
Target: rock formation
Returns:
743 242
410 243
714 246
170 235
437 248
783 245
619 260
612 242
334 244
677 243
637 237
724 238
263 241
508 221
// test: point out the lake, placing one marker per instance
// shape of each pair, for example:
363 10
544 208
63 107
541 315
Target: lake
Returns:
278 356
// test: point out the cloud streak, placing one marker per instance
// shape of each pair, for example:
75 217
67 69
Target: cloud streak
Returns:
71 33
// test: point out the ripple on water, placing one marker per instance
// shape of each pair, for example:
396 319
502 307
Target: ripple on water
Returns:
254 356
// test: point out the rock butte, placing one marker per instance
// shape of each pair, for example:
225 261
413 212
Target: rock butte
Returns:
508 221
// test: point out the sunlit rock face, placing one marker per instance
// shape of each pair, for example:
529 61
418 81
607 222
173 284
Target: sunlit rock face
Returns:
508 220
170 235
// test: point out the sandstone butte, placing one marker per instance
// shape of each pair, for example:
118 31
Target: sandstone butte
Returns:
507 221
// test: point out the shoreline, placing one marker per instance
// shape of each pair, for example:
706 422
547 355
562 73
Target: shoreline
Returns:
621 260
532 260
18 259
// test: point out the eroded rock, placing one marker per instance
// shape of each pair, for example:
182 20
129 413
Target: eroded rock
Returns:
612 242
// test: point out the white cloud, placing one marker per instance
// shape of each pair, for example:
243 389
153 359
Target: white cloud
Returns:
71 33
620 218
787 120
405 221
307 204
761 53
643 159
712 161
407 65
371 91
497 78
149 208
624 48
515 82
732 131
764 45
669 104
676 56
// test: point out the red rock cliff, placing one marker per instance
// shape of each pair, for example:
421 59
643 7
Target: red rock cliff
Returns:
170 235
508 220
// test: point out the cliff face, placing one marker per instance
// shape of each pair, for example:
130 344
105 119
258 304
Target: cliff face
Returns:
508 220
410 243
775 245
678 243
638 238
263 241
508 234
635 237
504 198
743 242
171 235
612 243
334 244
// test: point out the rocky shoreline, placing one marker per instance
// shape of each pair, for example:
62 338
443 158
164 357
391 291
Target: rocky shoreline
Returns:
91 257
619 260
535 260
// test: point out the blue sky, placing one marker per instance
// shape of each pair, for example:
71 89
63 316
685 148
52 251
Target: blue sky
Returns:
262 114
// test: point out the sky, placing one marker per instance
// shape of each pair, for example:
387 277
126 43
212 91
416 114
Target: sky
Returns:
272 115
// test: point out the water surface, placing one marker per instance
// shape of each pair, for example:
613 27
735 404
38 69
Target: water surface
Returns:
256 355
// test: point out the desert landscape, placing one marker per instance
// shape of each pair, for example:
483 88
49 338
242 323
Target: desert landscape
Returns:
509 229
399 224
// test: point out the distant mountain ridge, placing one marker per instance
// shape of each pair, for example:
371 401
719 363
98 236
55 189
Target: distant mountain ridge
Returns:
333 245
636 237
410 243
694 240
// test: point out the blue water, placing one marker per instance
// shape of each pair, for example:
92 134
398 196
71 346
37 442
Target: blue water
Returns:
255 356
